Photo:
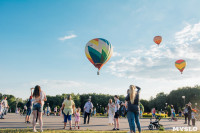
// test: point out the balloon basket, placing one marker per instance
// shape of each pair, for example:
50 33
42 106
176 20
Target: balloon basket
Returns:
98 73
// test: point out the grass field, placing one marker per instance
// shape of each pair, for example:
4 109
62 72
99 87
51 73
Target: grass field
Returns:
66 131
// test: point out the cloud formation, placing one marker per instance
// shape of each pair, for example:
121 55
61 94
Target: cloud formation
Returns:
158 62
67 37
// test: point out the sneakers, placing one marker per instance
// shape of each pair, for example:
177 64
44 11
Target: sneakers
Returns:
78 127
114 129
34 130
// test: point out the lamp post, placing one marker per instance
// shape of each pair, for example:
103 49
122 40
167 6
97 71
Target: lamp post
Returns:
97 107
183 99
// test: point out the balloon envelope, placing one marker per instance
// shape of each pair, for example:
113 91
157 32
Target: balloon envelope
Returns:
98 51
180 65
157 39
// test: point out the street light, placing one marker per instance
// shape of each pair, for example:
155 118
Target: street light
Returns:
97 107
166 105
183 99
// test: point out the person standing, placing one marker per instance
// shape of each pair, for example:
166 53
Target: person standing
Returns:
111 111
133 108
38 101
28 112
189 113
193 117
116 116
55 110
77 118
68 108
48 110
87 108
186 113
153 111
95 112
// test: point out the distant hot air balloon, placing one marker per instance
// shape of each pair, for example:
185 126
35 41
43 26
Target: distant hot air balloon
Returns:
157 39
98 51
180 65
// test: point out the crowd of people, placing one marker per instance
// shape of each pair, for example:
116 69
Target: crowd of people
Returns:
131 107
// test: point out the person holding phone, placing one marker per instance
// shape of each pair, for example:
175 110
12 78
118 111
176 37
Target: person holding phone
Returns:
133 108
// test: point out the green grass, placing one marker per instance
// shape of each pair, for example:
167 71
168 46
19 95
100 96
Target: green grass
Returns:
89 131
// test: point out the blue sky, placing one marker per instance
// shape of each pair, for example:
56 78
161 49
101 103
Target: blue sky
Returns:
43 41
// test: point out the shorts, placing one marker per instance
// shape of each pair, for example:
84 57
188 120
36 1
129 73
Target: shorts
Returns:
67 117
116 115
154 115
37 107
28 112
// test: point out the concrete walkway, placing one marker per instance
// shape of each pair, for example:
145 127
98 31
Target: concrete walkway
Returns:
15 121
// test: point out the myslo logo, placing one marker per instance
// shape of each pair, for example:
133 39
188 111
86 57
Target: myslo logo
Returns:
185 128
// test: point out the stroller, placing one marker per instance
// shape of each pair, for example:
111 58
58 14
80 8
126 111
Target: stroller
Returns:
155 124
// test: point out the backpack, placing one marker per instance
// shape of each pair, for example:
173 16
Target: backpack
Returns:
123 111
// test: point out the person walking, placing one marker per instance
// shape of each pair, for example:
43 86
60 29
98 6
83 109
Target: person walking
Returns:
38 101
111 111
133 108
68 108
4 107
28 111
87 108
116 116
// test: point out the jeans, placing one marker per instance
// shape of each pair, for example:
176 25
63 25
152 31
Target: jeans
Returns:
85 117
37 107
67 117
186 116
133 117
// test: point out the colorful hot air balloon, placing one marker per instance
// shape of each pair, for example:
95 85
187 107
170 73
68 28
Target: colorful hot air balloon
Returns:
180 65
157 39
98 52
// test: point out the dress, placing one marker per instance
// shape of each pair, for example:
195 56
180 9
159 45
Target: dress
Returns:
77 117
111 113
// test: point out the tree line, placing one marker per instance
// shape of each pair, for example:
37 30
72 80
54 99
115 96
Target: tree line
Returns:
100 101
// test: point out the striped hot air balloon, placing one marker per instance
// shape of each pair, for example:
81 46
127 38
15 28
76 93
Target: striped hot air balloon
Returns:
157 39
98 51
180 65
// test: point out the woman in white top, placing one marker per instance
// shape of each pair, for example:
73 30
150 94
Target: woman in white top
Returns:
38 101
111 112
116 116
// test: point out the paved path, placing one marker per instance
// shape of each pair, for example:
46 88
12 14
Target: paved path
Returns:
15 121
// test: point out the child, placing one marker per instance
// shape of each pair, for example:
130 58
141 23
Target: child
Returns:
95 112
193 117
77 117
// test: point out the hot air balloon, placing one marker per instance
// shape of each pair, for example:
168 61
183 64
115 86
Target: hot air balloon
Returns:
157 39
180 65
98 51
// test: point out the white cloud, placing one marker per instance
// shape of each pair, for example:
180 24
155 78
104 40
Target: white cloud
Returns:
116 54
67 37
158 62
